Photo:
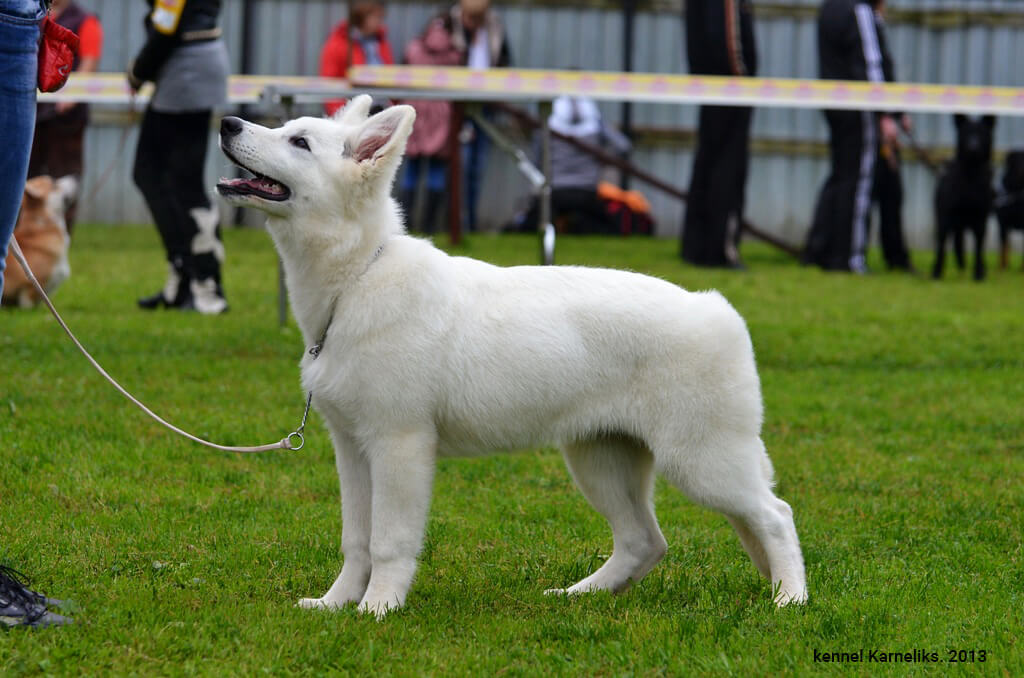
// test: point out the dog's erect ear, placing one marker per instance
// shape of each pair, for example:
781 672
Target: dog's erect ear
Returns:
384 132
989 120
68 187
959 119
355 111
37 188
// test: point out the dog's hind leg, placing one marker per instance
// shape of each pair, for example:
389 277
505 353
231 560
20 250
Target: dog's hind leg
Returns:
401 475
616 475
354 477
735 478
752 545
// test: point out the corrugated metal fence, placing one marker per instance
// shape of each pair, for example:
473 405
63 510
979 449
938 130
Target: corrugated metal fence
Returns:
942 41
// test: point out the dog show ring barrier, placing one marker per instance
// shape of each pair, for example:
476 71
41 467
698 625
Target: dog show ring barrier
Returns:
542 86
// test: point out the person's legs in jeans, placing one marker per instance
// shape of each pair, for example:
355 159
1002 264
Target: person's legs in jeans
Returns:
408 187
437 180
19 49
474 158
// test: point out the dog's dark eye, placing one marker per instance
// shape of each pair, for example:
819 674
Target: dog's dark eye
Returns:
300 142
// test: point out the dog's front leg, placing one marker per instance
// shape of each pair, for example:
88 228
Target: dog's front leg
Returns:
354 477
401 474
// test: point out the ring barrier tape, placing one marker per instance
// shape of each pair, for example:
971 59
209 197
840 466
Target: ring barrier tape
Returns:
692 89
529 84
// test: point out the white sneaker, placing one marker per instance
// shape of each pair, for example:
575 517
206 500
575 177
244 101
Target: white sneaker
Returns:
207 297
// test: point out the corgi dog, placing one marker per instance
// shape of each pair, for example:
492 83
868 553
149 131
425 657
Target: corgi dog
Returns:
42 235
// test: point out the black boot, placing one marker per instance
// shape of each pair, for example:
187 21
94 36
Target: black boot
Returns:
176 292
207 294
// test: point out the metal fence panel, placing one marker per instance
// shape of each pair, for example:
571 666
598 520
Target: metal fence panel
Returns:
943 41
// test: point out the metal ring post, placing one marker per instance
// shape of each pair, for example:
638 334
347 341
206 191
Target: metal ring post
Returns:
547 229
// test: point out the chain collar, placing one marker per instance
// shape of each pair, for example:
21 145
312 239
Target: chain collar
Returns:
314 351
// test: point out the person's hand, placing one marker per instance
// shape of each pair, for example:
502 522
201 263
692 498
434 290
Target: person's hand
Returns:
134 83
906 123
890 131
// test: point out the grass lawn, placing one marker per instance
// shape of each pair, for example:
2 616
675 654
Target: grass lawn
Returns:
894 417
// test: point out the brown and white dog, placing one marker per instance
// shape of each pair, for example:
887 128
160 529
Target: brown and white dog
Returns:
42 235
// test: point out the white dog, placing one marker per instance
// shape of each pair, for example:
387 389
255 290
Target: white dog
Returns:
426 355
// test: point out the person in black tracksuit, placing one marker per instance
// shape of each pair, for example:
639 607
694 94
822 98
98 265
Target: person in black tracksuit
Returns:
849 48
719 41
187 60
888 185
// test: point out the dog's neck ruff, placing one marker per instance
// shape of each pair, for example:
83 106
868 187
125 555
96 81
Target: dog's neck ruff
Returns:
315 349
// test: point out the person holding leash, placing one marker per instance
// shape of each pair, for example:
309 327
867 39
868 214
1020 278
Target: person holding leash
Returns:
187 60
719 41
19 58
850 47
888 186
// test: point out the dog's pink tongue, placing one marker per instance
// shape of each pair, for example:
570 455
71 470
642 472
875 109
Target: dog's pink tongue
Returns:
259 184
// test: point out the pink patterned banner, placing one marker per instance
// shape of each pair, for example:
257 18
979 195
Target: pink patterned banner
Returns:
687 89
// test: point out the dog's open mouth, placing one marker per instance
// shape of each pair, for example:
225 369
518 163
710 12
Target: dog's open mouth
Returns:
259 185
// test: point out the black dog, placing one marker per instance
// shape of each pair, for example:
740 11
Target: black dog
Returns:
963 198
1010 204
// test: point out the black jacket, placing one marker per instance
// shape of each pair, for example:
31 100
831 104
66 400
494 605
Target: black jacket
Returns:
720 37
849 44
190 21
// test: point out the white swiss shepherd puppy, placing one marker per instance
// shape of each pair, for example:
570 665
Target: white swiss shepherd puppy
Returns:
427 355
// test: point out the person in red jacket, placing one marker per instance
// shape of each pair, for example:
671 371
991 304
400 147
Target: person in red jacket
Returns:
362 39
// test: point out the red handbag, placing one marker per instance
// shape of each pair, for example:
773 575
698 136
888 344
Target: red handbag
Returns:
57 49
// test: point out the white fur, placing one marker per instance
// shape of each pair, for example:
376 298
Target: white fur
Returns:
430 355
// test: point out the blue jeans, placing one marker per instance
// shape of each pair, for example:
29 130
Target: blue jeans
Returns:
436 171
19 50
474 159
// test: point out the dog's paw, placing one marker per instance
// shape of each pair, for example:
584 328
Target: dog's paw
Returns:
784 598
317 604
557 592
378 608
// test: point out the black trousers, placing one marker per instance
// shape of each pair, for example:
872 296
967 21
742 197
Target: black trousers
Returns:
888 194
714 208
57 151
838 237
169 163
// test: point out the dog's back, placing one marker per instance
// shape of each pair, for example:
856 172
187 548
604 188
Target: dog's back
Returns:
427 355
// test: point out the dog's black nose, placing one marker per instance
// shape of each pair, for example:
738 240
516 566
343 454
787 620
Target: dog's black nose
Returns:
230 126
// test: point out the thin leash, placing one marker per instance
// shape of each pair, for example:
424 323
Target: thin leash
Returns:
284 444
923 155
88 198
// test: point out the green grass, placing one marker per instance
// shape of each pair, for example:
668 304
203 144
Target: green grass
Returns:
893 415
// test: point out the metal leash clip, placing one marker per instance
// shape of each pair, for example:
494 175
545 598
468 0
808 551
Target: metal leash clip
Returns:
297 433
